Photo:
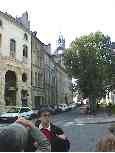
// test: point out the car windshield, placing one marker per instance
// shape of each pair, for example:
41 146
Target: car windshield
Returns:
13 110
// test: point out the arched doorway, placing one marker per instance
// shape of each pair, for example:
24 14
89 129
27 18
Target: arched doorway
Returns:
10 88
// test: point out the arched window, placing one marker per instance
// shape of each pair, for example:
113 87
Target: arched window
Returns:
25 36
25 51
24 77
12 47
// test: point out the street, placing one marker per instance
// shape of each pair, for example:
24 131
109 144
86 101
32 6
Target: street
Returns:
83 137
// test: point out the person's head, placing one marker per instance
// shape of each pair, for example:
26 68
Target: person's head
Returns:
8 142
44 115
106 144
13 138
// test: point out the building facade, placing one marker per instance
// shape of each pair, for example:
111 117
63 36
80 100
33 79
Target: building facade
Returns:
50 79
38 95
15 62
29 74
51 84
43 74
64 86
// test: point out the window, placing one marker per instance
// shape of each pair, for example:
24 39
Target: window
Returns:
35 78
12 47
41 60
0 22
25 36
38 76
0 40
25 51
24 77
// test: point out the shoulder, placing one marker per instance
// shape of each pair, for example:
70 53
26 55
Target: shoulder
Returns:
56 129
37 123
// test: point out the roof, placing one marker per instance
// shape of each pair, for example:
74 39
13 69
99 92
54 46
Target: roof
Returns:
13 20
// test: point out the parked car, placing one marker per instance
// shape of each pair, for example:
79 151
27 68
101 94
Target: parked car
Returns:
35 112
79 103
13 113
51 108
64 107
72 105
57 109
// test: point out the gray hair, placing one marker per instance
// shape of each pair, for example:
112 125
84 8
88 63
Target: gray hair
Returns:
13 138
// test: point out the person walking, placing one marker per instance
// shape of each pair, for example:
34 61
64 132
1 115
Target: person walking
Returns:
55 135
16 137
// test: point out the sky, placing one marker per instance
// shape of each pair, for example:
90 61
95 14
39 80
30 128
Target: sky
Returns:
72 18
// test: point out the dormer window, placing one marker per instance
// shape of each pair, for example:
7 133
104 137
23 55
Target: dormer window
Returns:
25 36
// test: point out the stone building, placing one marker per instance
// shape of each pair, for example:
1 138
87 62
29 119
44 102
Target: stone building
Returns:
64 85
64 81
15 61
29 73
50 79
38 95
43 73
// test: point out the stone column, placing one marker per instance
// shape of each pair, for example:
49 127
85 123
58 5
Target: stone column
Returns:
18 99
2 88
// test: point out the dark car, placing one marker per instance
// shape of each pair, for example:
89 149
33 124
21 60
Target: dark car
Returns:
13 113
35 112
57 109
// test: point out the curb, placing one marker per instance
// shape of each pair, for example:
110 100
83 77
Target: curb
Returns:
95 121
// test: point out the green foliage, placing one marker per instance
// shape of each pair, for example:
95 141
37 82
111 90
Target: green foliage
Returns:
113 109
89 61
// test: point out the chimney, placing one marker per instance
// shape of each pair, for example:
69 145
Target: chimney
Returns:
34 33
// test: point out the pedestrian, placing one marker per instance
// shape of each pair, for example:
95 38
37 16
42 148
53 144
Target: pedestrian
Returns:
15 137
107 143
55 135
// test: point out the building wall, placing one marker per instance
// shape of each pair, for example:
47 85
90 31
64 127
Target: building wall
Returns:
18 64
9 30
50 79
37 72
64 84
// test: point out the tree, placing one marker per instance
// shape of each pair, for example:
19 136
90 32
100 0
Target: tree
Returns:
89 61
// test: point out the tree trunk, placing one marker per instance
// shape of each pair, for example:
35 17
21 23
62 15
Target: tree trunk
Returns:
92 102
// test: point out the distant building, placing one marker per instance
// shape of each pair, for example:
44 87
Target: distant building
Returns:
59 52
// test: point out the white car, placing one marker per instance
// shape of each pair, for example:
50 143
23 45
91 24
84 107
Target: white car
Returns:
63 107
13 113
72 105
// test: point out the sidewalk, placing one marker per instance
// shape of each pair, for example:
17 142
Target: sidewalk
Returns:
97 119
